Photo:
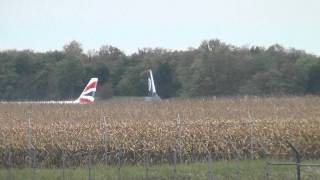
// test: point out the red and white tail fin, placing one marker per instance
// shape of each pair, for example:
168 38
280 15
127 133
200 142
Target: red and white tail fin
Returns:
87 95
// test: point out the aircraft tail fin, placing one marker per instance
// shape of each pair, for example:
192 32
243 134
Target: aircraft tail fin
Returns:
152 87
87 95
152 92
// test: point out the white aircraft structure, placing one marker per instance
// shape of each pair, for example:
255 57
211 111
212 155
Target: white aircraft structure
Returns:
152 92
86 97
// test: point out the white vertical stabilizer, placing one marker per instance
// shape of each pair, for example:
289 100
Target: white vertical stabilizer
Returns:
152 92
153 87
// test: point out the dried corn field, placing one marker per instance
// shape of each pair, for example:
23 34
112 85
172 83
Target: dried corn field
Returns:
227 128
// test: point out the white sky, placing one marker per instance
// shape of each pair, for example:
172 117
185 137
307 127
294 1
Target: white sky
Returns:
44 25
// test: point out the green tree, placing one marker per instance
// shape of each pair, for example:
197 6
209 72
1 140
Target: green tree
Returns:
314 79
73 48
71 78
166 81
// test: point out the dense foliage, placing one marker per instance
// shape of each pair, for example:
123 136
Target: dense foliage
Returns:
212 69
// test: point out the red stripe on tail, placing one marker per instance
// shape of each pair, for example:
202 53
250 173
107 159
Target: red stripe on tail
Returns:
85 101
93 85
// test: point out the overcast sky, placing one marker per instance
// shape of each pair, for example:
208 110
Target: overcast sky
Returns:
44 25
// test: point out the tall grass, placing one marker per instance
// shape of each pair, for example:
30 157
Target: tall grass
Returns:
250 126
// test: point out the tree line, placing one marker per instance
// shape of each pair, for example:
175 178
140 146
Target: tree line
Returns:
213 69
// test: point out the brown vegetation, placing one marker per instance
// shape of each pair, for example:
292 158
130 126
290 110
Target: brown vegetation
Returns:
255 126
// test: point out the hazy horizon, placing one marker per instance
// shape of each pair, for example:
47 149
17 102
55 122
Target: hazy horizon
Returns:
86 51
